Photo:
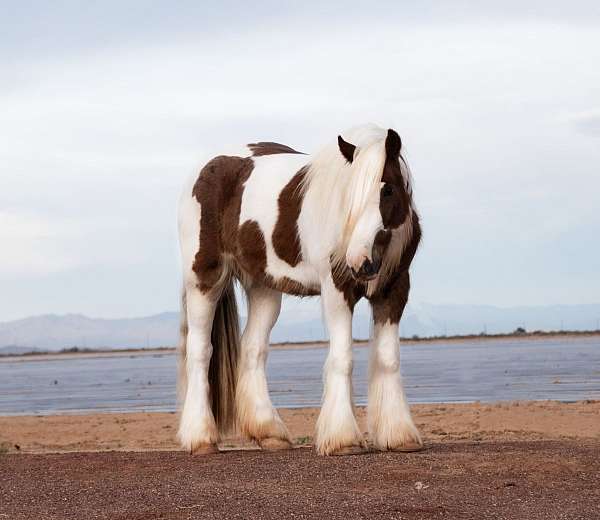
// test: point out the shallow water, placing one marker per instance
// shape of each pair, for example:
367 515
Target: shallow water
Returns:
565 369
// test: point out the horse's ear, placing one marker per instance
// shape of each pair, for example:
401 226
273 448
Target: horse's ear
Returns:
347 149
393 143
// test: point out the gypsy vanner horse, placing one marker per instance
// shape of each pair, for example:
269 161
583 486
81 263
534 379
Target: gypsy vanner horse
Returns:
340 223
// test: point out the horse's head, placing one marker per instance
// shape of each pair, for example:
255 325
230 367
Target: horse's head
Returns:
385 209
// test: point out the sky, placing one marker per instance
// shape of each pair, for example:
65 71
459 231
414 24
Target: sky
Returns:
106 108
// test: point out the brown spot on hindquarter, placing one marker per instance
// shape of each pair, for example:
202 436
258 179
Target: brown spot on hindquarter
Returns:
219 190
268 148
286 240
253 250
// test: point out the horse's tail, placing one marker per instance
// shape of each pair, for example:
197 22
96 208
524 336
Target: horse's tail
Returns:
222 372
182 360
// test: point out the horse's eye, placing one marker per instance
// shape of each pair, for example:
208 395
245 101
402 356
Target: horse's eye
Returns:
387 190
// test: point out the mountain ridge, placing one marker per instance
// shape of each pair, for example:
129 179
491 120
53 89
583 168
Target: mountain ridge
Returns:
298 322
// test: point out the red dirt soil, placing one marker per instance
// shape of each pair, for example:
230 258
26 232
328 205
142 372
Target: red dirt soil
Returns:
547 479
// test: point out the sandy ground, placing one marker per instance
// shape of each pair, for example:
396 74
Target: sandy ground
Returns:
437 422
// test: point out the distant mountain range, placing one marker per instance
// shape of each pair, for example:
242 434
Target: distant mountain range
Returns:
302 323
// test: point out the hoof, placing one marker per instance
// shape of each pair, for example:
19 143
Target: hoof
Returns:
204 449
349 450
409 447
274 444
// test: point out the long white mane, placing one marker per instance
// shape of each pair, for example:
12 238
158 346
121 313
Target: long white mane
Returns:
338 191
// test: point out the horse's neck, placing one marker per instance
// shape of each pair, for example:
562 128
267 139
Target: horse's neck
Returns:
321 220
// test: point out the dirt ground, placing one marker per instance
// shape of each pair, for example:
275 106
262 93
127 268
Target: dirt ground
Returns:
437 423
450 480
524 460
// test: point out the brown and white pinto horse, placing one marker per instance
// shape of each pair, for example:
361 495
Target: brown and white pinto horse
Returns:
341 224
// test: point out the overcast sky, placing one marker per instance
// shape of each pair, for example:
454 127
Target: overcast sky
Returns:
105 108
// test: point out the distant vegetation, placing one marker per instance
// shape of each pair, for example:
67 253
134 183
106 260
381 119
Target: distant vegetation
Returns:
80 350
519 332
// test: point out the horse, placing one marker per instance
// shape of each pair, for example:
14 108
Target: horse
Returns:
340 223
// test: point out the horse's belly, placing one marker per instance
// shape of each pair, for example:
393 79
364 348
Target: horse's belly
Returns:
301 280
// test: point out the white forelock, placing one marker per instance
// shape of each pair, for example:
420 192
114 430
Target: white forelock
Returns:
339 190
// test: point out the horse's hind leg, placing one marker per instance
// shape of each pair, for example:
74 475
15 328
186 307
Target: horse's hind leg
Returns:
197 428
256 416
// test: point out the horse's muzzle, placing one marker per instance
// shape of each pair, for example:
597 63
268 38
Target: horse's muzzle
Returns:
368 270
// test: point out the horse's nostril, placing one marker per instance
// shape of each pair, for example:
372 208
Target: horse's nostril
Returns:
367 268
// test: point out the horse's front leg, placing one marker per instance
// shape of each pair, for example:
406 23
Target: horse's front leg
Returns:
337 432
390 424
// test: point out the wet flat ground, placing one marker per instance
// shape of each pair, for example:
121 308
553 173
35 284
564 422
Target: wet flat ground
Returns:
557 368
454 480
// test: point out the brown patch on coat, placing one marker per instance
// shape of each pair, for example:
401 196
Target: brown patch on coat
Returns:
344 282
288 286
219 190
393 289
286 240
411 248
388 304
394 199
252 249
380 246
252 259
389 301
268 148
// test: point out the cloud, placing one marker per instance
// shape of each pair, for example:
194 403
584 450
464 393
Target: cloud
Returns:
31 247
100 131
587 123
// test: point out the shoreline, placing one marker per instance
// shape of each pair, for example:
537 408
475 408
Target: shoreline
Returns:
438 423
157 351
